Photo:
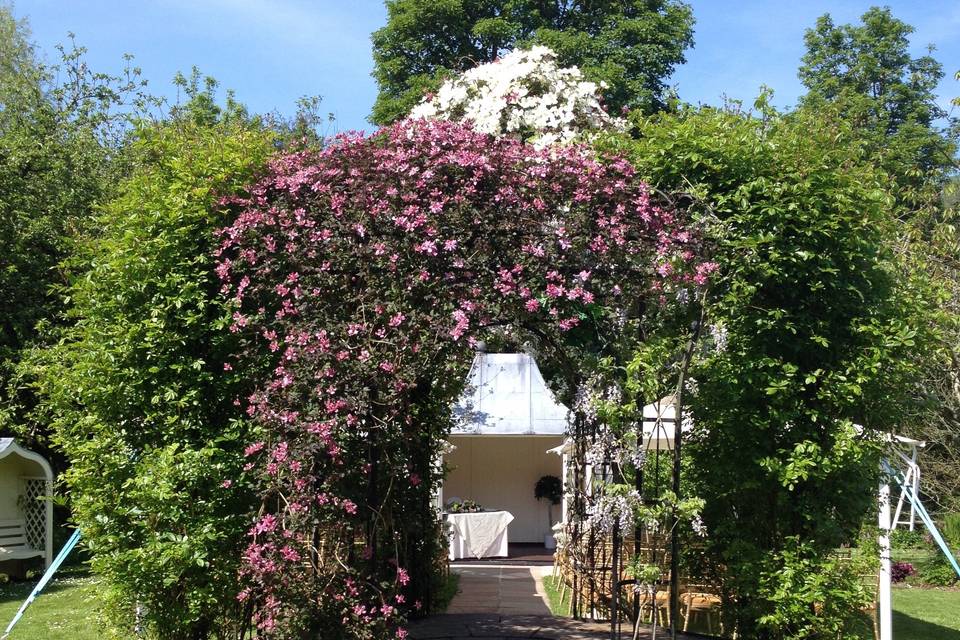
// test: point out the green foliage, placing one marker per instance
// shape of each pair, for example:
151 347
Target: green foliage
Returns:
61 135
956 101
868 72
906 539
447 589
872 60
631 46
813 332
549 487
138 394
201 107
668 512
950 528
937 571
812 596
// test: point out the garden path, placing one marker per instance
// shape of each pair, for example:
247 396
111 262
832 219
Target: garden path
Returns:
499 588
466 626
502 602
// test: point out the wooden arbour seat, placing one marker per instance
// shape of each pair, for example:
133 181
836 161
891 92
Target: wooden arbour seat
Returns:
13 542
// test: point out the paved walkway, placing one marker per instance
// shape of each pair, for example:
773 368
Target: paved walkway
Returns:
504 601
504 589
463 626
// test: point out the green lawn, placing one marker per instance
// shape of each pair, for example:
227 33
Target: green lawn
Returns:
919 614
443 596
926 614
551 586
66 610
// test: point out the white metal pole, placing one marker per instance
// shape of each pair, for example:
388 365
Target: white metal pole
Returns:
916 486
565 470
885 609
530 399
439 498
900 502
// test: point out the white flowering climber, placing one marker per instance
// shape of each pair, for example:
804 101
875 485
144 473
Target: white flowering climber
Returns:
524 93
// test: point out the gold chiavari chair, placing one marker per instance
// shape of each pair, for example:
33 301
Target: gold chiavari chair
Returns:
701 604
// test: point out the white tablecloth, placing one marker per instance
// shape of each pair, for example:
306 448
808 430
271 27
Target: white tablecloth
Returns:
481 535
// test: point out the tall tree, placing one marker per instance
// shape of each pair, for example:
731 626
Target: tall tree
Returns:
60 137
866 74
136 392
809 334
867 70
631 45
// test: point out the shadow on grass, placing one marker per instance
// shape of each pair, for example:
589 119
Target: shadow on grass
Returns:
65 578
907 627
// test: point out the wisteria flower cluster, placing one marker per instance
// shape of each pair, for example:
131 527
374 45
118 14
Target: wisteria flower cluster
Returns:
525 94
366 271
614 508
608 449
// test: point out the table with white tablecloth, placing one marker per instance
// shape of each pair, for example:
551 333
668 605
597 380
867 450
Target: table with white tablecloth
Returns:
479 535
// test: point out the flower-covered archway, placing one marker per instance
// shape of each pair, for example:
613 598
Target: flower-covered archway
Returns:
368 270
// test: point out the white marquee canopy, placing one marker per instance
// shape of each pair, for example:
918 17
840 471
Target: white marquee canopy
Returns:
506 395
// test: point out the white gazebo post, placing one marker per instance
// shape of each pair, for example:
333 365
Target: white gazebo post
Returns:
884 610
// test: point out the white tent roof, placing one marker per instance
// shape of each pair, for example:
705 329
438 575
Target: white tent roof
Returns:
506 395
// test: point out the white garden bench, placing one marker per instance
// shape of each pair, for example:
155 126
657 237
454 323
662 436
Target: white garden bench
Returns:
13 541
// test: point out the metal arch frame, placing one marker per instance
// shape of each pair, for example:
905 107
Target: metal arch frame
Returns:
906 450
911 478
666 449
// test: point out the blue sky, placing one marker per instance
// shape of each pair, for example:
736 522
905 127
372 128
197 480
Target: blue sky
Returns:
273 51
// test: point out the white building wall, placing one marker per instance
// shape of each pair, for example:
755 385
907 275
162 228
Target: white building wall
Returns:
500 472
11 468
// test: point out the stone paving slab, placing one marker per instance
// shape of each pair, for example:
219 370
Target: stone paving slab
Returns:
504 590
464 626
454 626
507 602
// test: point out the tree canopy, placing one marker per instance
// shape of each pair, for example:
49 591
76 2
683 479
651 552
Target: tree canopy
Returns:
811 332
61 139
869 72
631 46
135 390
866 73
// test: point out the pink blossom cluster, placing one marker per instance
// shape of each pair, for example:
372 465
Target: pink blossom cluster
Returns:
365 271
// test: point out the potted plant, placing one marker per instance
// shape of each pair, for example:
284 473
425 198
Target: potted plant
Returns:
463 506
551 488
